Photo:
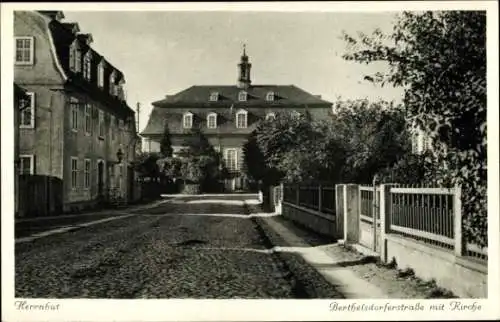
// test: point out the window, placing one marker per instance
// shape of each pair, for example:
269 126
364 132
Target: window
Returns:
270 96
212 121
88 118
242 96
112 174
101 124
270 116
231 159
26 164
74 173
87 65
121 129
86 181
187 121
74 113
241 119
112 80
75 57
27 117
24 50
112 124
214 97
100 75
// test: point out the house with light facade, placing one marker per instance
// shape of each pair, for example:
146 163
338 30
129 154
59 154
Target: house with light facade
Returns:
227 114
78 127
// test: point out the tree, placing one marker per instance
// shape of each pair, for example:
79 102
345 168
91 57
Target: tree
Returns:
146 165
373 136
165 143
201 164
255 166
439 58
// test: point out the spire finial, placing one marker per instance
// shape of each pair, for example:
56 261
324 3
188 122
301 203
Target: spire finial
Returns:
244 49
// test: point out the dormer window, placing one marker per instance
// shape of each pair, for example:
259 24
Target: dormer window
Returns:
270 116
87 65
187 120
270 97
75 58
119 90
214 97
242 96
112 82
241 119
100 74
212 121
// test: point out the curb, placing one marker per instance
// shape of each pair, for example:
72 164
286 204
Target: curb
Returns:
68 229
298 288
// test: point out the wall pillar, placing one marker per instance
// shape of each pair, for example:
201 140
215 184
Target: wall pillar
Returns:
385 219
460 244
351 213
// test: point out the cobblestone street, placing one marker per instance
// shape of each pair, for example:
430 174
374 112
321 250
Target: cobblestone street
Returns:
185 248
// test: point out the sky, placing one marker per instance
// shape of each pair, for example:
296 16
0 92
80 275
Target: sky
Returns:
162 53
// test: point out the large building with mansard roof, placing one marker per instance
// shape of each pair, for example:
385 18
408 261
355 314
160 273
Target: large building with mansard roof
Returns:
227 114
77 131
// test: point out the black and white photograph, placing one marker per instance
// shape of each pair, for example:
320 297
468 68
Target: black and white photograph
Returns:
159 153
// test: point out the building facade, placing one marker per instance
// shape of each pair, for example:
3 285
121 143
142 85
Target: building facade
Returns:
78 127
227 114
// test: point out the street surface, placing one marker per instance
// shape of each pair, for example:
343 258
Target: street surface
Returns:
191 247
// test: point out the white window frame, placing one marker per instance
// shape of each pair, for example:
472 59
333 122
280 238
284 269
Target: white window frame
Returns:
227 160
88 118
242 96
75 105
74 173
112 126
31 124
100 75
87 174
75 61
270 116
31 157
245 125
214 97
87 66
270 96
112 80
186 116
31 60
102 127
212 116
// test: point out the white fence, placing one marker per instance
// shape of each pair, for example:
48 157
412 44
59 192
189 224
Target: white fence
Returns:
419 226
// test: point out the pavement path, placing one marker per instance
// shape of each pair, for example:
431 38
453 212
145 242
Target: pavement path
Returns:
190 247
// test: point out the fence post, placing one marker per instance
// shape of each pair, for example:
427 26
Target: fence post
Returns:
385 219
339 214
457 215
351 214
319 198
280 199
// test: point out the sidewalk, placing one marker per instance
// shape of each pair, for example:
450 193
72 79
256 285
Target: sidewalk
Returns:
30 229
356 276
